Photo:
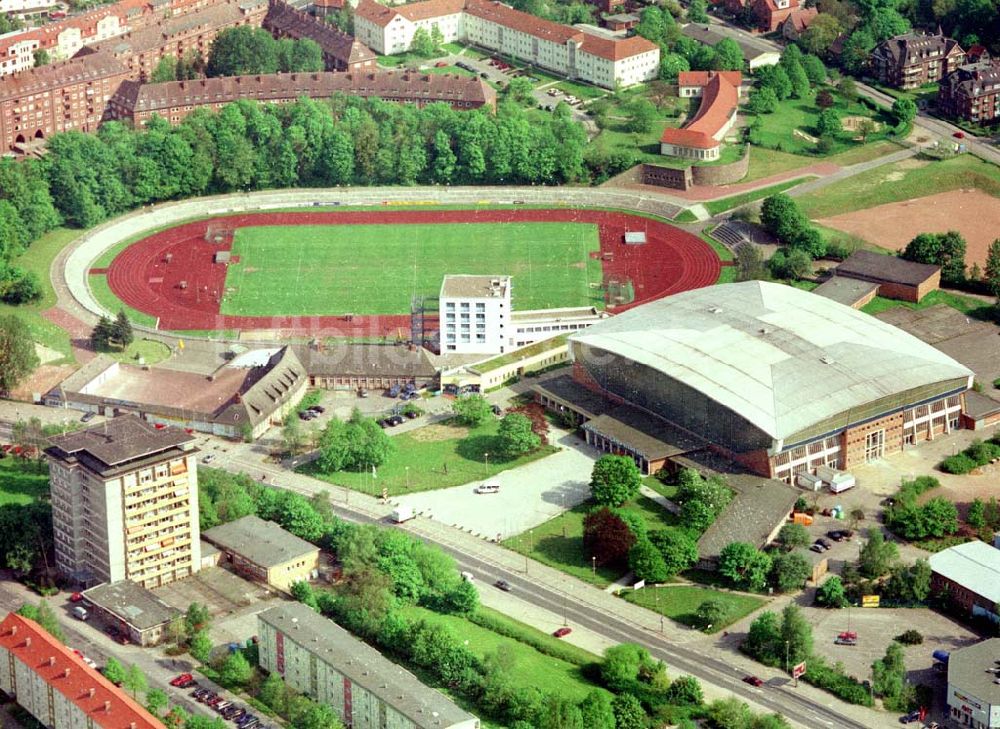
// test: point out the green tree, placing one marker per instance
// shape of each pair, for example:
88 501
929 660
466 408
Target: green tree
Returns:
166 70
729 713
614 480
993 268
789 571
775 78
42 57
641 116
941 249
711 613
236 670
196 619
672 64
877 555
101 335
678 549
625 664
763 101
856 52
242 50
272 692
697 13
299 56
628 711
472 410
135 681
814 68
821 33
515 436
646 561
828 123
763 640
831 593
796 634
798 78
156 701
176 718
728 55
975 517
49 622
745 565
750 263
904 110
560 712
422 45
651 25
791 536
597 712
200 646
909 584
685 691
17 352
781 216
792 265
114 671
520 90
123 333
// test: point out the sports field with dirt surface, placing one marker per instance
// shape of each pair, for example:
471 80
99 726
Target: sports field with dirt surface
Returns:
973 213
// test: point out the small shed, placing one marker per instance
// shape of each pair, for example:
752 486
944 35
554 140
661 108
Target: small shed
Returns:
221 257
635 237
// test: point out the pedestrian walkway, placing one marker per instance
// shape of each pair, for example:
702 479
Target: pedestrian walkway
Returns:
845 172
660 499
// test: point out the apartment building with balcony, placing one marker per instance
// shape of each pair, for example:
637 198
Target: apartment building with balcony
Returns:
125 503
912 60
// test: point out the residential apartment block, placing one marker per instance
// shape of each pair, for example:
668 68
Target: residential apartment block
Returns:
59 97
125 503
323 661
972 93
474 311
174 100
912 60
341 52
565 50
56 687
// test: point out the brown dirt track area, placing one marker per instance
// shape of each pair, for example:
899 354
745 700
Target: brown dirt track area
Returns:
973 213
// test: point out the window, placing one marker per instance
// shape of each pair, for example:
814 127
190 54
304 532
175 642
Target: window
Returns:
874 445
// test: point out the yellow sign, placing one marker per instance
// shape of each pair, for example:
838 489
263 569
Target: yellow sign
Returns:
869 601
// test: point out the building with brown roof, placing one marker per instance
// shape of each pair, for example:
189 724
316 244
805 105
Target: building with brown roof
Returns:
771 14
125 503
174 100
58 97
367 366
972 93
796 23
912 60
565 50
701 138
896 277
141 50
341 52
55 686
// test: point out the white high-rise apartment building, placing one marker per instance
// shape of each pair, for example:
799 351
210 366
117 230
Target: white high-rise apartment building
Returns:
125 503
474 312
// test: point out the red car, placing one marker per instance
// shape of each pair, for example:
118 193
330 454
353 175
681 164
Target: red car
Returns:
183 681
753 681
76 597
959 135
562 632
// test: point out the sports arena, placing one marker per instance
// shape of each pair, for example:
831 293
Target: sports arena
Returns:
776 378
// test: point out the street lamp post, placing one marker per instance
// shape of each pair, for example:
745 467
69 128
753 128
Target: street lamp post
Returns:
593 564
407 477
786 656
487 457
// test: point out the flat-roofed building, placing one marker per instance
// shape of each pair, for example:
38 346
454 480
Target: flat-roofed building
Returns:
125 503
973 694
474 312
131 610
969 575
263 551
56 687
368 691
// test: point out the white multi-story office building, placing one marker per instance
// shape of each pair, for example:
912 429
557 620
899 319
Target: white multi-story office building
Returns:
368 691
475 312
125 503
569 51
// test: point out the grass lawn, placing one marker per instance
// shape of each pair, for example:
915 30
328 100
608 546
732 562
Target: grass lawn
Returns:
901 181
433 457
21 482
559 541
965 304
454 70
679 602
101 291
685 216
714 207
766 162
150 350
668 491
582 91
38 258
375 269
529 669
727 275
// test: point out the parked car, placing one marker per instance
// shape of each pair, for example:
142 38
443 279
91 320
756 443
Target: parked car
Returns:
183 680
562 632
836 535
959 135
909 718
209 458
395 419
502 585
824 544
318 409
214 700
222 706
816 548
87 417
441 64
76 597
753 681
200 693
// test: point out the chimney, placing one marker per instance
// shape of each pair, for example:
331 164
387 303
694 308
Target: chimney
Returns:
51 661
107 707
91 692
66 672
27 642
13 630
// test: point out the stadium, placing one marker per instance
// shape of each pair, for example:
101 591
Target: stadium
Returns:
778 379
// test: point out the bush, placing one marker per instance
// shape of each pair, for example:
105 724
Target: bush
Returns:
910 637
958 464
833 679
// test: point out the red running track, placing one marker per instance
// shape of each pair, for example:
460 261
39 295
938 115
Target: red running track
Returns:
671 261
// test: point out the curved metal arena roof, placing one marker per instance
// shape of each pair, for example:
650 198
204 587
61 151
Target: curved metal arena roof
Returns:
782 358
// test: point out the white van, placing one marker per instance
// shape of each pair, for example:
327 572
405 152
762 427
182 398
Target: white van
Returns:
468 577
488 488
80 613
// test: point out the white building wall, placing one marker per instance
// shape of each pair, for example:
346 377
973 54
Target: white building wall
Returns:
24 6
487 319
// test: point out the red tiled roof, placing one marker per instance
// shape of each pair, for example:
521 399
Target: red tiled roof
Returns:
509 18
701 78
100 700
616 49
431 9
802 18
718 101
374 12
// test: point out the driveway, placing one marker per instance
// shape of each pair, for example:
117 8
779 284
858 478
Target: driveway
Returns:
528 495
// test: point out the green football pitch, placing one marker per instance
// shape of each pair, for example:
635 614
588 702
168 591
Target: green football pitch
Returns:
377 269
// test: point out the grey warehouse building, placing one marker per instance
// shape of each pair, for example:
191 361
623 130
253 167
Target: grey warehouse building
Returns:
973 693
773 377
